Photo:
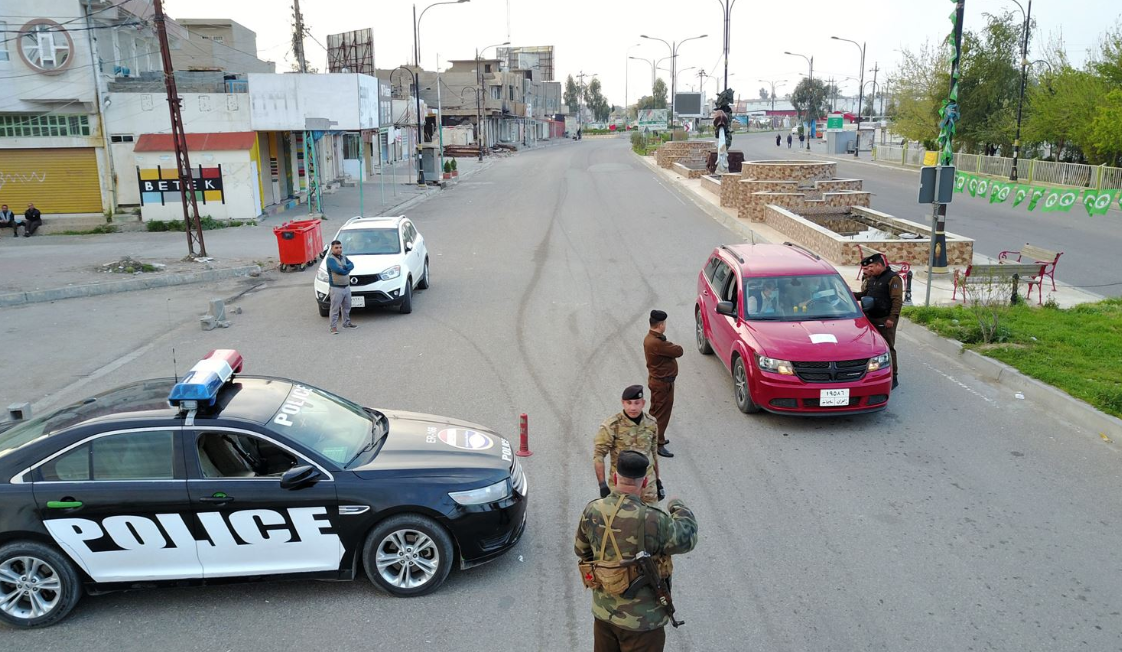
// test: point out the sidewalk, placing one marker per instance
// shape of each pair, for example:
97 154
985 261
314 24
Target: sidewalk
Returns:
46 268
942 287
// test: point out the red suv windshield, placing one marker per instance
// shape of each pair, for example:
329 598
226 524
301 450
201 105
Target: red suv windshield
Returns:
798 298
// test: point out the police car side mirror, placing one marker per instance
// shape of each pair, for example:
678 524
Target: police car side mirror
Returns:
726 308
867 304
299 477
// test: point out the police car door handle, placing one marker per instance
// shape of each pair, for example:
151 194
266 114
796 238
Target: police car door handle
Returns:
65 503
219 498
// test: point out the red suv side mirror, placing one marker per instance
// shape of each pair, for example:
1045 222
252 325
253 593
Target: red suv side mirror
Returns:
726 308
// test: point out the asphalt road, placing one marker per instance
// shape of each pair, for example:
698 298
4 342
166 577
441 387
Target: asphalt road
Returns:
960 518
1090 244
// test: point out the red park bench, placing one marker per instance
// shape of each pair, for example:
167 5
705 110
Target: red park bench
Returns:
1029 253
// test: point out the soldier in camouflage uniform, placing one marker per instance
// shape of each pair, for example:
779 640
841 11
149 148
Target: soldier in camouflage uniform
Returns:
631 429
618 528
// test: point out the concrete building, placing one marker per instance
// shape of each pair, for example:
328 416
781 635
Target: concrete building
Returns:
55 66
218 44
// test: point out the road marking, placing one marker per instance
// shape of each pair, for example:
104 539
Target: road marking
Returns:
672 193
46 401
960 384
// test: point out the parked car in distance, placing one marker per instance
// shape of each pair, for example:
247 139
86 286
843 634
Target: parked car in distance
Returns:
790 332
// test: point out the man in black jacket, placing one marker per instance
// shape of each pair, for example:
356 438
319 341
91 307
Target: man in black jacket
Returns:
887 291
32 220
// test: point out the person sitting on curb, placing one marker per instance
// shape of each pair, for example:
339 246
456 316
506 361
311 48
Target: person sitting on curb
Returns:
32 220
8 219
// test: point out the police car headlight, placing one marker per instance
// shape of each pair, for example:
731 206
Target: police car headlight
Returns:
390 272
881 361
489 494
321 275
773 365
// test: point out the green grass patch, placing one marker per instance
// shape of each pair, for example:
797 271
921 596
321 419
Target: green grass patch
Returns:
208 223
1078 350
97 230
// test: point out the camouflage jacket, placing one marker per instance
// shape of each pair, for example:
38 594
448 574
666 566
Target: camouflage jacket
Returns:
637 527
619 433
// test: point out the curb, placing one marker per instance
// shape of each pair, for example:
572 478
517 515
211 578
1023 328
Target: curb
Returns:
95 289
731 223
1058 402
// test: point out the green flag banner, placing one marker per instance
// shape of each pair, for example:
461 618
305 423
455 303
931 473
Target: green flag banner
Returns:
999 192
959 181
1068 198
983 186
1097 202
1051 201
1034 196
1021 193
972 185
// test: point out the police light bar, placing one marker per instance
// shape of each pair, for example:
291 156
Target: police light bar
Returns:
203 382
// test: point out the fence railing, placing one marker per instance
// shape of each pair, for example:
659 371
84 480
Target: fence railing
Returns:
1075 175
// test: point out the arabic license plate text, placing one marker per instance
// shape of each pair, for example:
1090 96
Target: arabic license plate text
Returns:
833 397
358 301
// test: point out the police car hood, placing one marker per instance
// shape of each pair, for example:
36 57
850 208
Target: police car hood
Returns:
450 448
830 339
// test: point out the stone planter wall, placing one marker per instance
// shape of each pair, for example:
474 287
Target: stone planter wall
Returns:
711 184
730 193
669 153
754 205
690 168
800 171
842 251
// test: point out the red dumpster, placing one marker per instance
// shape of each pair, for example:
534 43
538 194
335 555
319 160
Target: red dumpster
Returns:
299 244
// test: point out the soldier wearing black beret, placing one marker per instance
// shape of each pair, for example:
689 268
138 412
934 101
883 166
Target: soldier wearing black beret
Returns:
629 430
662 369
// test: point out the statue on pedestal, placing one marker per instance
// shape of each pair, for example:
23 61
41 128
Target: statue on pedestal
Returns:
722 114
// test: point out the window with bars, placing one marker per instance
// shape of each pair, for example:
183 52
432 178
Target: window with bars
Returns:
37 126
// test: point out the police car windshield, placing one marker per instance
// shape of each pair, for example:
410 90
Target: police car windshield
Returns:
370 242
798 298
335 428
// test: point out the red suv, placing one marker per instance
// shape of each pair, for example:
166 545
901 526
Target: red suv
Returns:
790 331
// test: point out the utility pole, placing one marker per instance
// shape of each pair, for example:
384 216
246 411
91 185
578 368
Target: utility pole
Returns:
183 164
874 100
298 36
479 106
580 100
1021 98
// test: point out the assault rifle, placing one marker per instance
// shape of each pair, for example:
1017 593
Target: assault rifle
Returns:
650 577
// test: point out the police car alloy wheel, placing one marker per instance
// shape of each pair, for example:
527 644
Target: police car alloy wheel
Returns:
408 555
38 586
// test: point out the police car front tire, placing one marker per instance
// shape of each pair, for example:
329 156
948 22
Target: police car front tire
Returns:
408 555
38 585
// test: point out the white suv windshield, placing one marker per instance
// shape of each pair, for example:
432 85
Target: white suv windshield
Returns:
372 242
798 298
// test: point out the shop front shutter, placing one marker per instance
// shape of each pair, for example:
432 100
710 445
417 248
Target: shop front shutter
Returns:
57 180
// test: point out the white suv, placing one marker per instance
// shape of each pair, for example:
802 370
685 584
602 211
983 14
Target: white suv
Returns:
390 261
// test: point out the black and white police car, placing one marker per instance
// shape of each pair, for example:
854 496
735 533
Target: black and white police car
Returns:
226 477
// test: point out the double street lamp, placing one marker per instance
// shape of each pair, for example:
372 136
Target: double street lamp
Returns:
860 91
673 65
416 85
810 75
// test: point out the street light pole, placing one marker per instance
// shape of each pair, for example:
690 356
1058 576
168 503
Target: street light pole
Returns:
1024 77
810 75
673 68
860 92
626 71
416 80
773 82
478 97
726 10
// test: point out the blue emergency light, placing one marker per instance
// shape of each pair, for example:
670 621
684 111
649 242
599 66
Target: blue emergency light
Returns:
203 382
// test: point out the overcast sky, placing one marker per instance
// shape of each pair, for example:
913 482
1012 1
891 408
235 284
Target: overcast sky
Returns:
595 36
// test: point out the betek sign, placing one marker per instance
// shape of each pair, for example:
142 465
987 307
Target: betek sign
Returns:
161 185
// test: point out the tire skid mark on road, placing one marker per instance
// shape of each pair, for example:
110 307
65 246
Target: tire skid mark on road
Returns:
494 368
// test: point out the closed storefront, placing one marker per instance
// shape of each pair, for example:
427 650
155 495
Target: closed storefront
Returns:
62 180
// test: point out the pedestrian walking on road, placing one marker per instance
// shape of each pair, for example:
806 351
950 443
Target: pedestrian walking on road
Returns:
662 369
778 140
788 141
32 220
8 219
630 430
887 290
339 278
630 613
802 139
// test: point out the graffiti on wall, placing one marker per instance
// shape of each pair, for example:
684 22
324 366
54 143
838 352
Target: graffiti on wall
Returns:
160 185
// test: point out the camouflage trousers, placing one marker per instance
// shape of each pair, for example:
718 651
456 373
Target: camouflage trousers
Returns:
606 637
